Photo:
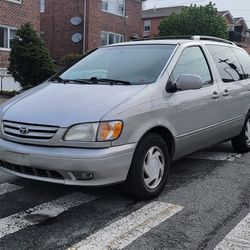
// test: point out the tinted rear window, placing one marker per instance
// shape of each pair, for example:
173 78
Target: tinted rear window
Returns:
227 63
244 59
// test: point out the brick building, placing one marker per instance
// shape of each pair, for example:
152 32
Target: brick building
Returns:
14 13
151 19
78 26
238 30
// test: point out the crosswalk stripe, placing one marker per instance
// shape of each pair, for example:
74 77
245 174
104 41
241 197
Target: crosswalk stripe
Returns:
238 238
214 156
124 231
16 222
7 188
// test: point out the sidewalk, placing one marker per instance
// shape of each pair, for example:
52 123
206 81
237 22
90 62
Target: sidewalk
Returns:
3 99
8 84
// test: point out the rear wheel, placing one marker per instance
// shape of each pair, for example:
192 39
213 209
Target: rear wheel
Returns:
241 143
149 169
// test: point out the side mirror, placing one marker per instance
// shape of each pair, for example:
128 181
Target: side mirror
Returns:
184 82
188 82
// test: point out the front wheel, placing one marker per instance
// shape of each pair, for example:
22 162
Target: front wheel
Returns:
241 143
149 169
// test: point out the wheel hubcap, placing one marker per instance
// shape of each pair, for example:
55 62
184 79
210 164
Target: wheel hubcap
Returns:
153 167
248 133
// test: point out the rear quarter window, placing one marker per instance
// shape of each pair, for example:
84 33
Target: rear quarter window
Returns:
244 60
227 63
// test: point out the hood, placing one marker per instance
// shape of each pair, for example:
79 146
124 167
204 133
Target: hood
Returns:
67 104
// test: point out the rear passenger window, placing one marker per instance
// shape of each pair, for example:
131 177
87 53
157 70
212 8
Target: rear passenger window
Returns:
227 63
244 59
192 61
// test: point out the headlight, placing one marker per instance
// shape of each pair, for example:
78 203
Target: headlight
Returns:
82 132
90 132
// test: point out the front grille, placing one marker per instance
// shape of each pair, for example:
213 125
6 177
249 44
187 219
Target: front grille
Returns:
32 171
29 131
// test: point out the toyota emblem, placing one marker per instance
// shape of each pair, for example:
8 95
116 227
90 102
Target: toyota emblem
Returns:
24 130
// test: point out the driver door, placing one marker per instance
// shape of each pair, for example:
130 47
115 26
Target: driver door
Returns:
199 111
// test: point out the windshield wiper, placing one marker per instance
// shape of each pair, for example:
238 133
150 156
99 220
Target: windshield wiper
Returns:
59 79
93 80
111 81
85 81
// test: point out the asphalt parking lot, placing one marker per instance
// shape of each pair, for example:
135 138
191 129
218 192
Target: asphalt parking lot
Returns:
205 205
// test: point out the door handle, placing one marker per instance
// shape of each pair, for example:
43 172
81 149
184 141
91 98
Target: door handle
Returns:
226 93
215 95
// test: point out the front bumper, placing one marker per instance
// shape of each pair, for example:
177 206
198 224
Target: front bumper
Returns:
108 165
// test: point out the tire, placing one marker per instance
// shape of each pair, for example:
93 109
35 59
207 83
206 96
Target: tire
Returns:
149 168
241 143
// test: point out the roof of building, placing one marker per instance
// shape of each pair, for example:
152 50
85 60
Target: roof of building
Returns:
241 19
161 12
223 12
227 13
237 19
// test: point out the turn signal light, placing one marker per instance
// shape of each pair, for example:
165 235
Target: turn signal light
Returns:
109 131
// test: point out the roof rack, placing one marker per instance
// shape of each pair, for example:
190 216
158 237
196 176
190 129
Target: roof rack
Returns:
212 38
190 37
165 37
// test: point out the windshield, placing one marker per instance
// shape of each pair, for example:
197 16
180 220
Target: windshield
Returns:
137 64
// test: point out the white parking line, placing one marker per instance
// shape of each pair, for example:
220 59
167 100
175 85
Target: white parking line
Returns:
124 231
7 188
238 238
214 156
16 222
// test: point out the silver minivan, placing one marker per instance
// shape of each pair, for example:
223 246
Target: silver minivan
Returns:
124 112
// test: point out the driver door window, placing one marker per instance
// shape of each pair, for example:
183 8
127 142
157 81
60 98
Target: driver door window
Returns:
192 61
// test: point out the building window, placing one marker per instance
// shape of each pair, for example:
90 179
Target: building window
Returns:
12 36
105 5
110 38
42 5
116 7
7 35
147 25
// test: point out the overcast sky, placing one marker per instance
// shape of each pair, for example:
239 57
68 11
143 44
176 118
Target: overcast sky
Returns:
238 8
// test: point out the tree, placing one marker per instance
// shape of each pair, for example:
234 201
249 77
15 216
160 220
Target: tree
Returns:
195 20
30 63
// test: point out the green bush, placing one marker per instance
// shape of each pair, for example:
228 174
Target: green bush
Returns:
69 59
8 93
30 63
195 20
